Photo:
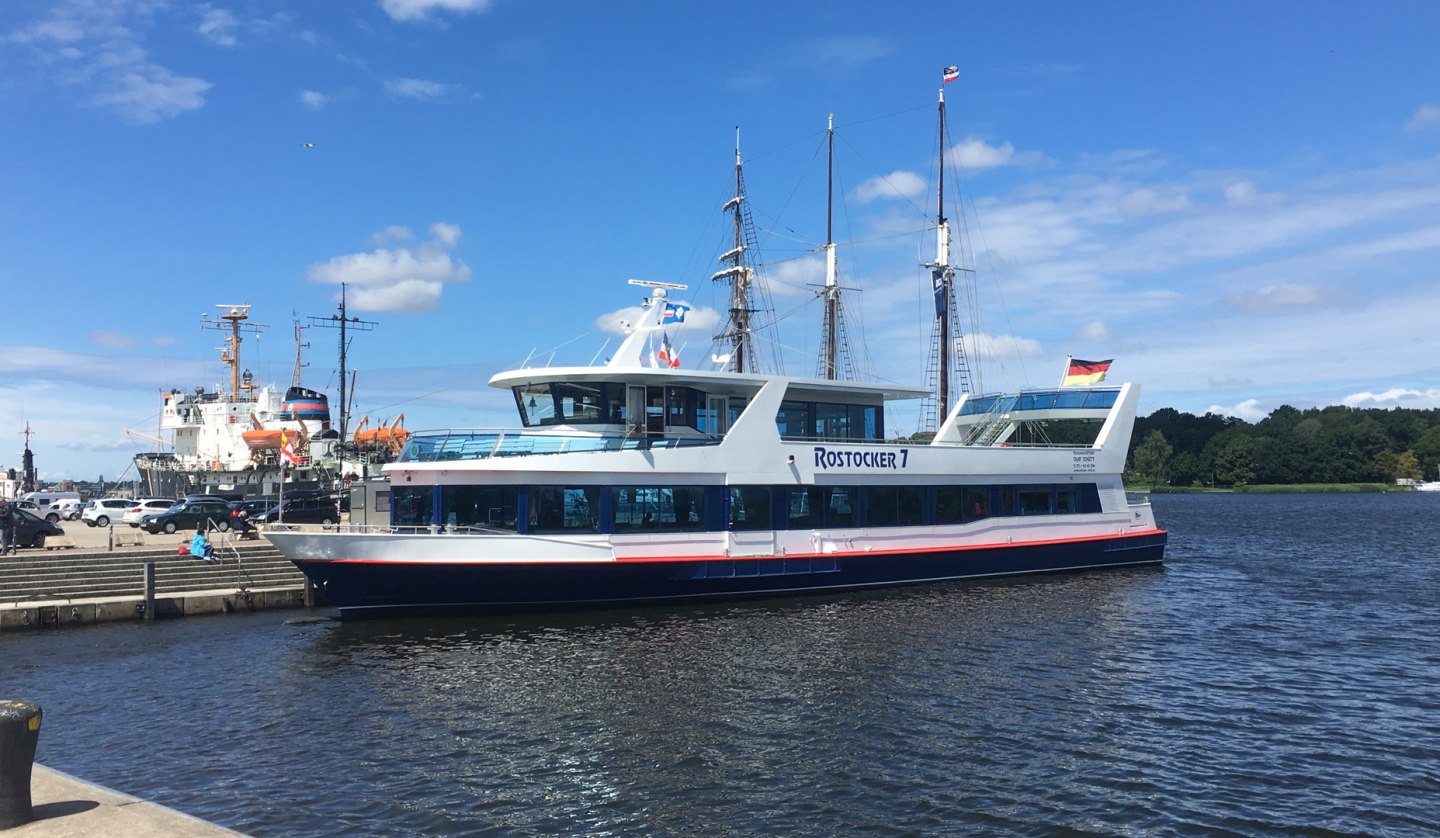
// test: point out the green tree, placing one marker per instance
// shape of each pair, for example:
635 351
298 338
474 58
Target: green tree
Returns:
1235 460
1387 464
1151 459
1427 450
1407 465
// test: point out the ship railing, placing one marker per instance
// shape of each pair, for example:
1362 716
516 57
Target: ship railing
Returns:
445 446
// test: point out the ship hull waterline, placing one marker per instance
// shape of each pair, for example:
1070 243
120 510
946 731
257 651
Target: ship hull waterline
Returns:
365 588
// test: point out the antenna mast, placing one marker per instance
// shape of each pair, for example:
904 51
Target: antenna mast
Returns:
299 364
344 323
233 320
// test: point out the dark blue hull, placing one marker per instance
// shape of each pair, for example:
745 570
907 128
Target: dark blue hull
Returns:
379 589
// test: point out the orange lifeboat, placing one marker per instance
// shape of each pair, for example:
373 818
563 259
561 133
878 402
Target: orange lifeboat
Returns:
392 436
262 440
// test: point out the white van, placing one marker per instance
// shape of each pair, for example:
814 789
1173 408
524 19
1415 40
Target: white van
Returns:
48 503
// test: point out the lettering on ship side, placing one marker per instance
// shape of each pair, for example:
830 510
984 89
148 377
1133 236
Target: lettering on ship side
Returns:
1082 461
828 458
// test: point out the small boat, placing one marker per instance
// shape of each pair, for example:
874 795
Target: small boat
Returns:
262 440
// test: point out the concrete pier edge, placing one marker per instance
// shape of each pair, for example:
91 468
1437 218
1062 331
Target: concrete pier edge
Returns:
67 806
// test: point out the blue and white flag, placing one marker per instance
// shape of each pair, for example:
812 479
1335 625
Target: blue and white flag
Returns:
674 313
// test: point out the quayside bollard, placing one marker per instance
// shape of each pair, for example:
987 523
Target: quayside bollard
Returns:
19 732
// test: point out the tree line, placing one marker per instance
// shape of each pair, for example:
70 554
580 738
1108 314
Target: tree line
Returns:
1318 445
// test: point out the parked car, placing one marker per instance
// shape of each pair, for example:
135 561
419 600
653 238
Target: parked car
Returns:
198 511
146 506
43 513
104 510
31 530
254 508
70 509
301 511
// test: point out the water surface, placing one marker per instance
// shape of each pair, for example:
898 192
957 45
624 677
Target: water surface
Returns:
1280 676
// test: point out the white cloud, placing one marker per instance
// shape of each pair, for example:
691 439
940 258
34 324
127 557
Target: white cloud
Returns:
700 324
1395 397
1241 192
1094 332
149 93
407 10
1149 201
393 233
417 89
1428 116
446 234
1278 297
219 26
114 339
974 153
894 185
1249 410
400 279
97 50
1001 347
312 99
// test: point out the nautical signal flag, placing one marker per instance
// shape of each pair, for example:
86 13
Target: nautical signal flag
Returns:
950 74
674 313
1086 372
668 356
287 451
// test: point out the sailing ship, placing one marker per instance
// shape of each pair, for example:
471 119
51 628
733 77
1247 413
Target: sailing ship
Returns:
637 481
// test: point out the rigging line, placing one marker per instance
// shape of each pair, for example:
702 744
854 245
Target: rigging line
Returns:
409 400
890 115
796 189
921 211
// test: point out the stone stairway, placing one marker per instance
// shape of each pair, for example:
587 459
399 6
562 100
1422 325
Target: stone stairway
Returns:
35 576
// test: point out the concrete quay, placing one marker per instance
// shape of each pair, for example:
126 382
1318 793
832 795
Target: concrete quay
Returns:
96 582
68 807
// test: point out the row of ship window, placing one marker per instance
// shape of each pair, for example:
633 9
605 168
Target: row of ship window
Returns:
637 509
600 402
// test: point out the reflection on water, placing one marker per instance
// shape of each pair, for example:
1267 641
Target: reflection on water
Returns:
1279 675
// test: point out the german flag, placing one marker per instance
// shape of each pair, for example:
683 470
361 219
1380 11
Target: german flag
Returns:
1086 372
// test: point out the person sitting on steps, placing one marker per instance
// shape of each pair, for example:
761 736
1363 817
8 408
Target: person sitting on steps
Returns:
200 547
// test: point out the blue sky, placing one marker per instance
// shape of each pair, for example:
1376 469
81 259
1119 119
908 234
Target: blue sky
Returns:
1239 202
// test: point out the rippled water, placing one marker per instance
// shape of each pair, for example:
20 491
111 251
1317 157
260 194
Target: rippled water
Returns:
1281 676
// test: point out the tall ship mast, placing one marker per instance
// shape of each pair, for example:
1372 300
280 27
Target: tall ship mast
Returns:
948 367
835 361
739 272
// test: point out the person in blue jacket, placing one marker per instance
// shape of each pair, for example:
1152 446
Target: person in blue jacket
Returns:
200 546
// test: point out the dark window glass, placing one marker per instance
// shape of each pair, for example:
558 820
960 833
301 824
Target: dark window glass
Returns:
1065 500
793 419
976 504
881 506
486 507
832 421
949 504
683 403
414 506
564 509
657 508
1034 500
537 406
912 506
804 507
749 507
582 403
839 509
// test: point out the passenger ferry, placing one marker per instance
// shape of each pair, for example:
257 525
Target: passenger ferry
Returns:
636 482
